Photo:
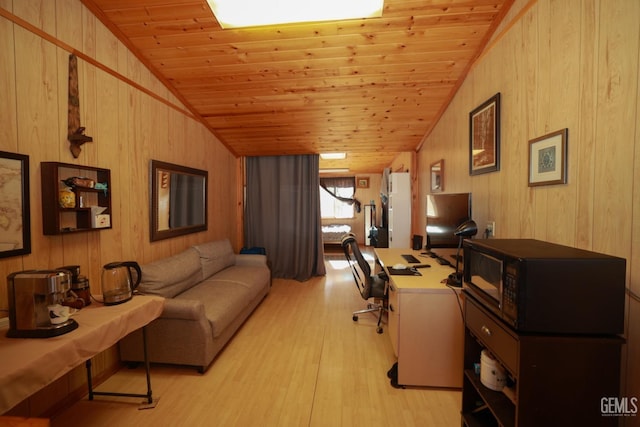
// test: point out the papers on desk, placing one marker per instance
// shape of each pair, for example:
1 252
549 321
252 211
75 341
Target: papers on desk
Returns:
404 271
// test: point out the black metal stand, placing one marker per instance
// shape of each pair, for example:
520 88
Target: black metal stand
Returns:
148 395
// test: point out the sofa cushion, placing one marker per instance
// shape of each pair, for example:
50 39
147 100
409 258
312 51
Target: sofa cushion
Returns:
251 278
170 276
215 256
223 302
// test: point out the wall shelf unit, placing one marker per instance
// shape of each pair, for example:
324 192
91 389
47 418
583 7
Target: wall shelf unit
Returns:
94 213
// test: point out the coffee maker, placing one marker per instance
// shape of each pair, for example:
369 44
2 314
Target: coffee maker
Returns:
31 294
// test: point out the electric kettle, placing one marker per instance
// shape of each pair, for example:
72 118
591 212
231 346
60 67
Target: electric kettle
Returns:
118 282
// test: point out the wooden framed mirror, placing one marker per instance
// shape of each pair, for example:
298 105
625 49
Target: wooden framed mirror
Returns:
178 200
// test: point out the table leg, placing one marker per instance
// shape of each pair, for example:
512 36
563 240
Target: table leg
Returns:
147 365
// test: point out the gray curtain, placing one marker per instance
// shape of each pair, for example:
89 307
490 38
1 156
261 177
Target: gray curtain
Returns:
283 214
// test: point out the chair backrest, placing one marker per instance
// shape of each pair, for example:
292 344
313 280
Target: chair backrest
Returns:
354 257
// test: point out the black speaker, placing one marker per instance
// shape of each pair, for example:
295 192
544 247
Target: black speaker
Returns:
417 242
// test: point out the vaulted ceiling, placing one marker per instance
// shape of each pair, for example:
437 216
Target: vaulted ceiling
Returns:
371 87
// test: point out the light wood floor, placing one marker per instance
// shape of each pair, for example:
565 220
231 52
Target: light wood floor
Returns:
299 360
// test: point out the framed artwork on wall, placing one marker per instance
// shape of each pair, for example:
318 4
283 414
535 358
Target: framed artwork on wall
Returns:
548 159
437 176
15 215
484 137
363 182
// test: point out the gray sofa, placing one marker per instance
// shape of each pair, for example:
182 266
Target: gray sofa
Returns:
210 291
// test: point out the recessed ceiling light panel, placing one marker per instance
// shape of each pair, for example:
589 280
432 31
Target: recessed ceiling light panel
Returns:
333 156
250 13
338 170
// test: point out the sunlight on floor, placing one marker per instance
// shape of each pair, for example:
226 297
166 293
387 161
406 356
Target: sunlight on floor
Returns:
341 264
338 265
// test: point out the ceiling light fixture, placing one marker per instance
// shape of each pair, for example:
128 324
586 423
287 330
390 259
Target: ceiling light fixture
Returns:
333 156
250 13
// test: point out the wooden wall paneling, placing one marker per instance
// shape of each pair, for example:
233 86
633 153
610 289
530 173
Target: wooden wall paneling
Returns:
583 139
120 178
617 78
8 132
68 15
537 61
526 42
562 54
40 13
109 149
514 146
107 45
113 52
134 163
38 129
457 146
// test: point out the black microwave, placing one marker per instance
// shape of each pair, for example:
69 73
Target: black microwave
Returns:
541 287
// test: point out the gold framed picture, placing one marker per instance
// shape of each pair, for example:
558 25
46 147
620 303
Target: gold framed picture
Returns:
363 182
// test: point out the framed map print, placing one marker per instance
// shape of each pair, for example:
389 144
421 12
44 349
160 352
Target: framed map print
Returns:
15 223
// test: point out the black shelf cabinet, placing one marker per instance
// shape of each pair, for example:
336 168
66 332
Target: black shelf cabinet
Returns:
58 220
557 380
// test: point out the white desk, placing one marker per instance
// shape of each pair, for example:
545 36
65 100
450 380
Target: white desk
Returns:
29 364
425 322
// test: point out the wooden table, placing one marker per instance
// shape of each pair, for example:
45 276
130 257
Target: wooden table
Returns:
425 322
27 364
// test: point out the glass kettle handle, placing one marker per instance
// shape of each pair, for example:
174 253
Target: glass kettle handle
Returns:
136 267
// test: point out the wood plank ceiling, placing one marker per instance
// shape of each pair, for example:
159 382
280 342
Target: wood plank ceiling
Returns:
372 88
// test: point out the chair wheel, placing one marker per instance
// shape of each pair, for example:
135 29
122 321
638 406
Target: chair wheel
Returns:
379 329
355 318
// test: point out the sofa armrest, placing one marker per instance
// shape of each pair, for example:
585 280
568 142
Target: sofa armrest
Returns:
251 260
183 309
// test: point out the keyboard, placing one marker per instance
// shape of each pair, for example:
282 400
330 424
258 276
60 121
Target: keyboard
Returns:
411 259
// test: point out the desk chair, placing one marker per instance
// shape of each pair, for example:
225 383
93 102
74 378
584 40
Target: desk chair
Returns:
369 286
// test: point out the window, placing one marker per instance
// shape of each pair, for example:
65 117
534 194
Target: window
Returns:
336 197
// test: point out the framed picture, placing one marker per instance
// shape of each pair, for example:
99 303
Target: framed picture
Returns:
437 176
363 182
484 137
15 220
548 159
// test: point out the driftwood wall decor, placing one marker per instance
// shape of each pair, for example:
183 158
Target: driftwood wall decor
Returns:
75 132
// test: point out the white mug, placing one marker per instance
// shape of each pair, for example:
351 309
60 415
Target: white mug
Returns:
58 314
